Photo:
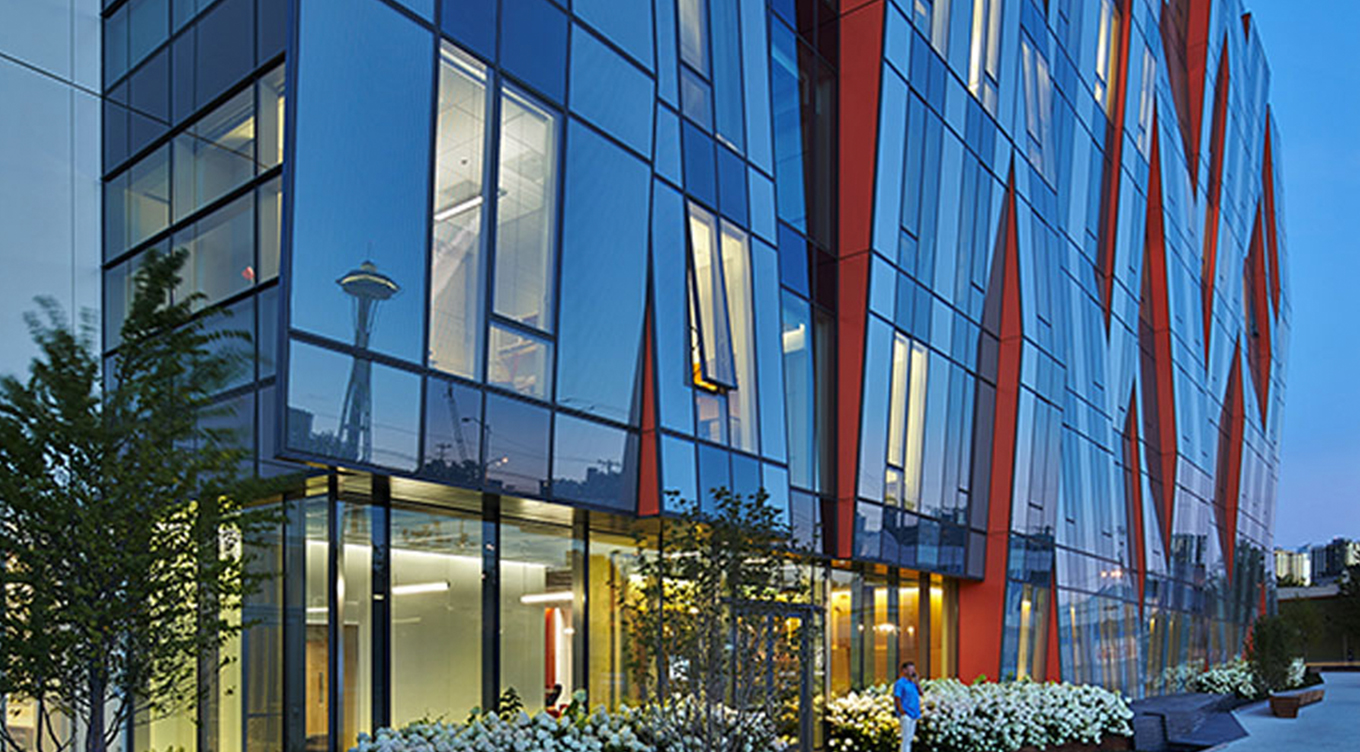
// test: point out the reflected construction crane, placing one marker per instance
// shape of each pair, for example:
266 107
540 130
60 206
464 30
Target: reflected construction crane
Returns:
457 421
368 287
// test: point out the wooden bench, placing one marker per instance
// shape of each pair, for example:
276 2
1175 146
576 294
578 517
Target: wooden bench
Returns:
1287 705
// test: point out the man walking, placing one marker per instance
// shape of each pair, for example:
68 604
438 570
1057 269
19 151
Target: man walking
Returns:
907 696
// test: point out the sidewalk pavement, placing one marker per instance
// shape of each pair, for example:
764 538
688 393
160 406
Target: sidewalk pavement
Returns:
1333 724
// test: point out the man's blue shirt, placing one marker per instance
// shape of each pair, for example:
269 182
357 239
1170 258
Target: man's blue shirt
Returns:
906 692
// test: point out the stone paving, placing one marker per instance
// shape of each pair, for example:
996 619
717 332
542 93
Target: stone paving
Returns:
1333 724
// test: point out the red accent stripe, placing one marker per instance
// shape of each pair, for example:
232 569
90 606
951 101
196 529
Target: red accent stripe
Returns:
1154 341
982 605
1229 476
649 480
1053 659
1257 314
1114 154
1133 481
1214 194
861 28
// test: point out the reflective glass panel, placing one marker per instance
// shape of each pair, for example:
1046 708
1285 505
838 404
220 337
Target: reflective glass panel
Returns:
713 347
678 478
316 518
148 196
727 89
436 597
215 155
269 120
526 211
453 433
221 253
628 25
516 446
604 231
693 18
356 613
519 361
610 91
741 401
269 209
593 463
798 386
361 188
456 261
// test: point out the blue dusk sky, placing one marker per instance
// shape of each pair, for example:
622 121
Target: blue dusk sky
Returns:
1315 96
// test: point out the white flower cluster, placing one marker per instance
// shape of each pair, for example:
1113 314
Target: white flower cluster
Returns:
1235 677
1297 671
983 717
678 727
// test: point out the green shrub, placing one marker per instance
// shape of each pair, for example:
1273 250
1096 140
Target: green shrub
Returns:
1273 648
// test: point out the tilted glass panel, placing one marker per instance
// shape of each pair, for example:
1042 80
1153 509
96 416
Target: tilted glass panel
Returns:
361 188
714 344
765 284
741 401
693 18
984 51
456 263
453 433
874 409
897 401
436 597
593 463
670 290
516 446
915 433
526 211
727 89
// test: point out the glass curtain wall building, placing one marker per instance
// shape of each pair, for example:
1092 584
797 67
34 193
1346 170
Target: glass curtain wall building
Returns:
989 297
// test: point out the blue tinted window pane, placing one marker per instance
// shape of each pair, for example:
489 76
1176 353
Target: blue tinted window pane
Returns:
603 236
351 408
472 23
806 520
888 192
235 326
267 338
628 24
732 185
534 44
422 8
673 375
714 473
693 19
610 91
220 253
700 173
745 475
757 79
695 99
678 479
271 29
776 485
798 385
882 287
339 220
765 284
874 414
516 446
665 51
793 259
593 463
868 530
116 45
667 160
453 433
727 73
762 206
519 361
149 25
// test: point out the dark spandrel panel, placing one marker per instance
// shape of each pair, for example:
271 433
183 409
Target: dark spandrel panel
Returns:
868 530
351 408
907 532
271 28
472 23
892 523
670 310
115 126
953 553
230 425
611 92
628 25
149 97
183 51
604 242
701 180
516 447
356 247
732 186
594 463
678 479
148 26
715 473
534 45
115 45
226 42
268 327
268 434
233 331
453 433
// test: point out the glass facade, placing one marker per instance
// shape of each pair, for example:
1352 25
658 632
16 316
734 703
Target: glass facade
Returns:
517 270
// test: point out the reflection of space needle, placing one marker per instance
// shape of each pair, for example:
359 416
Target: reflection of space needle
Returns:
368 287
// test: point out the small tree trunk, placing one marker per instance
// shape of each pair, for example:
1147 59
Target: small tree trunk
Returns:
94 727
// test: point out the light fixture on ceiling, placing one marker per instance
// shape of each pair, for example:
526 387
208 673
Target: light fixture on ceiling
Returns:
459 208
555 596
420 587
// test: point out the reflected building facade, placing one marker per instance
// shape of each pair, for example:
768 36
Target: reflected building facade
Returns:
988 297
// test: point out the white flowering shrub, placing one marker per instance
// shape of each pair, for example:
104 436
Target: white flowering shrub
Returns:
1235 677
982 717
1297 670
673 728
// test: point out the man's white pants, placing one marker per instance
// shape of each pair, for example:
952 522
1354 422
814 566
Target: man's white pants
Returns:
908 731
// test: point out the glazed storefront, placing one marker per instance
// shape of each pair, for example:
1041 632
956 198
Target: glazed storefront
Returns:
399 601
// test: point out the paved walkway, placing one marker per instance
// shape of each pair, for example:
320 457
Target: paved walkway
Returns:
1332 724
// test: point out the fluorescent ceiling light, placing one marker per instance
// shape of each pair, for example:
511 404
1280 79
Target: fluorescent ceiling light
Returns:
421 587
458 208
557 596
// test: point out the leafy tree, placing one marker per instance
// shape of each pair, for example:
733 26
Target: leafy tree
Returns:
707 619
123 543
1289 580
